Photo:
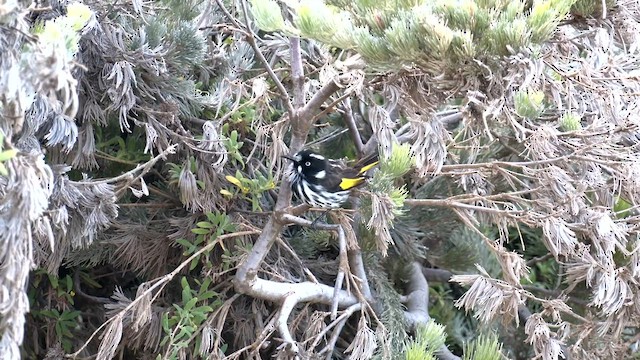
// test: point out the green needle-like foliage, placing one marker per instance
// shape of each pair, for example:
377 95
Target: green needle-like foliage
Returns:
430 34
267 14
570 122
529 104
399 163
483 348
429 338
391 312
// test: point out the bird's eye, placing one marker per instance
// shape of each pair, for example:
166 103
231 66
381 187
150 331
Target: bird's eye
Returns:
308 163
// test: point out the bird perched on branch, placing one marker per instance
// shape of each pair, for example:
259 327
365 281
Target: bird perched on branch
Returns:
325 183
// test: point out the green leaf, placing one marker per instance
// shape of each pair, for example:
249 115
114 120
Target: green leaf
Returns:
59 330
184 243
69 283
54 281
204 225
64 330
203 309
200 231
186 290
194 263
69 315
190 304
182 334
212 217
206 295
50 313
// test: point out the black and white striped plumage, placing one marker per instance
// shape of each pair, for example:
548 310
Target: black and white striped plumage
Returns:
322 182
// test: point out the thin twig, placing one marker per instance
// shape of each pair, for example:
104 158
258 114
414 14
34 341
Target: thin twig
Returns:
350 121
251 39
144 168
338 329
342 268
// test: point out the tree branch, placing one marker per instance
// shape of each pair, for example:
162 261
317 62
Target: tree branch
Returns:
291 295
350 121
437 275
417 303
247 280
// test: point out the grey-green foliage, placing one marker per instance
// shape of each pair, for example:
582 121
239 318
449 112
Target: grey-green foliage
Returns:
391 311
147 71
465 248
34 60
391 35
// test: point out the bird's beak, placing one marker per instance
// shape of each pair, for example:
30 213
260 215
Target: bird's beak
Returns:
288 158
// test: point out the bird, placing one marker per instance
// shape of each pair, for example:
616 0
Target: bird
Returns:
325 183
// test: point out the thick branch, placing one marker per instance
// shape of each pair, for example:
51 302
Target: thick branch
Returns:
294 294
247 271
417 303
319 98
297 73
437 275
357 268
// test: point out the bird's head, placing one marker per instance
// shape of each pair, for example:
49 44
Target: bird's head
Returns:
309 164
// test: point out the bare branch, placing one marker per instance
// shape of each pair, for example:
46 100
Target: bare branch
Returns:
417 302
342 267
353 128
459 205
437 275
297 75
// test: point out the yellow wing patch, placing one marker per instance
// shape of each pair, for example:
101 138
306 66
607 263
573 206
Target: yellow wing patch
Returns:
368 167
347 183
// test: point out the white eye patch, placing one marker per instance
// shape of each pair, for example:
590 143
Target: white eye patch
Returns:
316 156
320 175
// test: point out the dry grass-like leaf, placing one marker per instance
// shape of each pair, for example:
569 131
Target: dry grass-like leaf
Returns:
540 336
381 221
364 344
489 298
110 339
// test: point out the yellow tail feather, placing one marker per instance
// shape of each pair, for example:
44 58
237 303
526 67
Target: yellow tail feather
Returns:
368 167
347 183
